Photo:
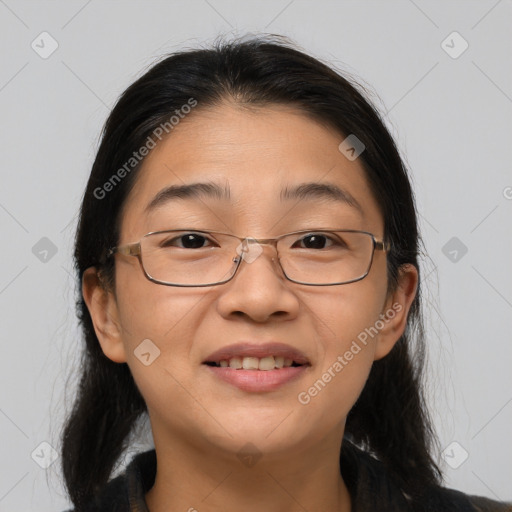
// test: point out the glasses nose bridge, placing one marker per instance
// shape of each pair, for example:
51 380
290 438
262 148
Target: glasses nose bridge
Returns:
247 254
250 249
266 241
262 241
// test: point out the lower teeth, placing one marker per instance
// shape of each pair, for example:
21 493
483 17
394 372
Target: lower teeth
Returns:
251 366
293 365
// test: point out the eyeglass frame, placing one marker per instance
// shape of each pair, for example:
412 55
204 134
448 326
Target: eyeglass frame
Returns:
135 249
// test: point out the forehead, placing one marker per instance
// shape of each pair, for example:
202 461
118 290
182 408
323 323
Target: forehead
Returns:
254 157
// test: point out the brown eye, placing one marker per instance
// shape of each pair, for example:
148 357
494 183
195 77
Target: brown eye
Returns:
316 241
192 241
186 241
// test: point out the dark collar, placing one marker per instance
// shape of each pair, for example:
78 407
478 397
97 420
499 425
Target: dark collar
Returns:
366 478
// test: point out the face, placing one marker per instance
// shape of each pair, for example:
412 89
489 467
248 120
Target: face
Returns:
255 154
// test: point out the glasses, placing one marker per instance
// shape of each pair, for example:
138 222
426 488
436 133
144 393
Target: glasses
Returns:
184 257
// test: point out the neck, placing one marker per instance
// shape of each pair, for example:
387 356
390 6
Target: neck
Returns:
191 479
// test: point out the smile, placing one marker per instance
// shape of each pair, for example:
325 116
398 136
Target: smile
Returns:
257 366
257 381
254 363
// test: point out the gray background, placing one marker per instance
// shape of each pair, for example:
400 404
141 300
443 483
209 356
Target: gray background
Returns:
450 116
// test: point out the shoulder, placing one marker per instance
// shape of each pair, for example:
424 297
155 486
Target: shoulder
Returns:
125 492
461 501
372 488
113 498
481 504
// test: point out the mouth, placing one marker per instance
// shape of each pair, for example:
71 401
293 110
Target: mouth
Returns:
257 356
255 363
257 367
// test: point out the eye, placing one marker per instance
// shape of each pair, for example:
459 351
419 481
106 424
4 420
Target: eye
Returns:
186 241
317 241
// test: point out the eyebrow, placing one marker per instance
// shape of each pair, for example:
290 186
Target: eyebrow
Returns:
311 190
190 191
315 190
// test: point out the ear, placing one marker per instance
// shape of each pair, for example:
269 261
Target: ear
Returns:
396 310
102 307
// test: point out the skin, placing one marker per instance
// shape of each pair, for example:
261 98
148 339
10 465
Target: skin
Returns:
200 423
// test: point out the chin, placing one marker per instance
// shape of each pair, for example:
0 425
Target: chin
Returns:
271 431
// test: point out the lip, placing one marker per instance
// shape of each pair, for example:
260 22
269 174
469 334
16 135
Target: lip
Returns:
258 380
259 350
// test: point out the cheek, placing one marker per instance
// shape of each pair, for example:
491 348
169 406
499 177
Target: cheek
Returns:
159 324
345 323
346 313
148 309
166 315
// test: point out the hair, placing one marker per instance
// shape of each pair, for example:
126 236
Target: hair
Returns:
390 419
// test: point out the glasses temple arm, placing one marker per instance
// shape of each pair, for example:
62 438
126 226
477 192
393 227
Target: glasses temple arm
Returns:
127 250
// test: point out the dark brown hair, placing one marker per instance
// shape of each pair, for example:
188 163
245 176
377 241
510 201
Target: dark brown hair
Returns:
390 419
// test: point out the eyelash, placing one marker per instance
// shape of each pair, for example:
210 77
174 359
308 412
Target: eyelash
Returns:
169 242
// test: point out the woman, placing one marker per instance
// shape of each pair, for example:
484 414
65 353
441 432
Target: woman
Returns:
248 258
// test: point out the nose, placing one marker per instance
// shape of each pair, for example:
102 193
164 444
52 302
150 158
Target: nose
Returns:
259 290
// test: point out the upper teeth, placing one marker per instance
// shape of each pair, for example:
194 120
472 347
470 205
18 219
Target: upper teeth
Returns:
255 363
